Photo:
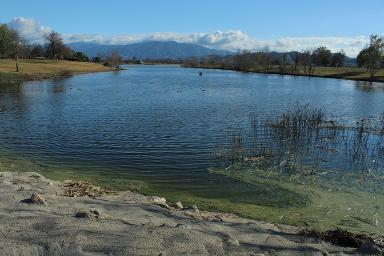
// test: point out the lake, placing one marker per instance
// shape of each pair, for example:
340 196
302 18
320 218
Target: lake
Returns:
160 125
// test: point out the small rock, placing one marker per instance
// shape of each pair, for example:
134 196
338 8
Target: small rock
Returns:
179 205
195 209
96 212
35 176
233 242
183 226
6 182
37 199
91 214
83 215
160 201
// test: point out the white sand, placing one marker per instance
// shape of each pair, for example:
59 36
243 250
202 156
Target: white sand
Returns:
130 224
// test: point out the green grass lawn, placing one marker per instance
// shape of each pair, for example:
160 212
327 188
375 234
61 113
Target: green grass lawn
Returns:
350 73
34 69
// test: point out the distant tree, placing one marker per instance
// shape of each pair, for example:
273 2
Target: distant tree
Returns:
17 45
54 46
114 60
11 44
243 60
338 59
264 59
296 59
306 60
66 53
80 56
6 43
209 60
37 50
372 55
322 56
283 63
97 59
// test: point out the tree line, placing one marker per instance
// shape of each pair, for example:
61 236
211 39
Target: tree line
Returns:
371 58
14 46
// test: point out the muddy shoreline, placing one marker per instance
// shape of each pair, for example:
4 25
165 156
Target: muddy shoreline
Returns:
44 217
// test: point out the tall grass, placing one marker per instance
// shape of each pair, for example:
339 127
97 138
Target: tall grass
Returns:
304 140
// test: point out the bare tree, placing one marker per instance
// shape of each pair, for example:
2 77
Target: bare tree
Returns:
54 44
306 59
17 42
114 60
264 59
296 59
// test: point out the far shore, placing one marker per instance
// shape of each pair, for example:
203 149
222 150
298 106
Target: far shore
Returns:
38 69
45 217
345 73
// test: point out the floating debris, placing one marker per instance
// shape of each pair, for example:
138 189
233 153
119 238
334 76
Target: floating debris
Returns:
83 188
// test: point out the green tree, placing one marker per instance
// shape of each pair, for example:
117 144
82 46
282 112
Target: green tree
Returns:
372 55
5 41
80 56
11 44
306 60
338 59
321 56
37 51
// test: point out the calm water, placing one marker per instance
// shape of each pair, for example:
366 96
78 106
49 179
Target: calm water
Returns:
159 123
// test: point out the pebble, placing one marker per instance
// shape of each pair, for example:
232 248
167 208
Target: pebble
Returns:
179 205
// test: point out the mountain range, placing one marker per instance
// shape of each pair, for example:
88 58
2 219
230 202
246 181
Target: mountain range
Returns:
148 50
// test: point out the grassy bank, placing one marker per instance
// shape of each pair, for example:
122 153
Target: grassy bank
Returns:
32 69
348 73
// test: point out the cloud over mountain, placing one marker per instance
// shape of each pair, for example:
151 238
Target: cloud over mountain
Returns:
29 28
232 40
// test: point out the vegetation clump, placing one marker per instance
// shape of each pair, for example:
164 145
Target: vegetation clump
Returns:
82 188
304 140
341 237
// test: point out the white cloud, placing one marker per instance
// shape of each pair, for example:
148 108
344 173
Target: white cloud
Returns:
231 40
29 28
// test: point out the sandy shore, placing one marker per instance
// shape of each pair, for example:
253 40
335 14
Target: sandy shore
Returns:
127 223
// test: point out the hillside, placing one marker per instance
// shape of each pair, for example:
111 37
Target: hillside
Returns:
148 50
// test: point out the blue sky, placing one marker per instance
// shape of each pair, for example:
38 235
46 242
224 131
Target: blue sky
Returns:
258 20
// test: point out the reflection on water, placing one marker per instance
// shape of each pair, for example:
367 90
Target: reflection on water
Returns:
369 86
161 124
162 121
